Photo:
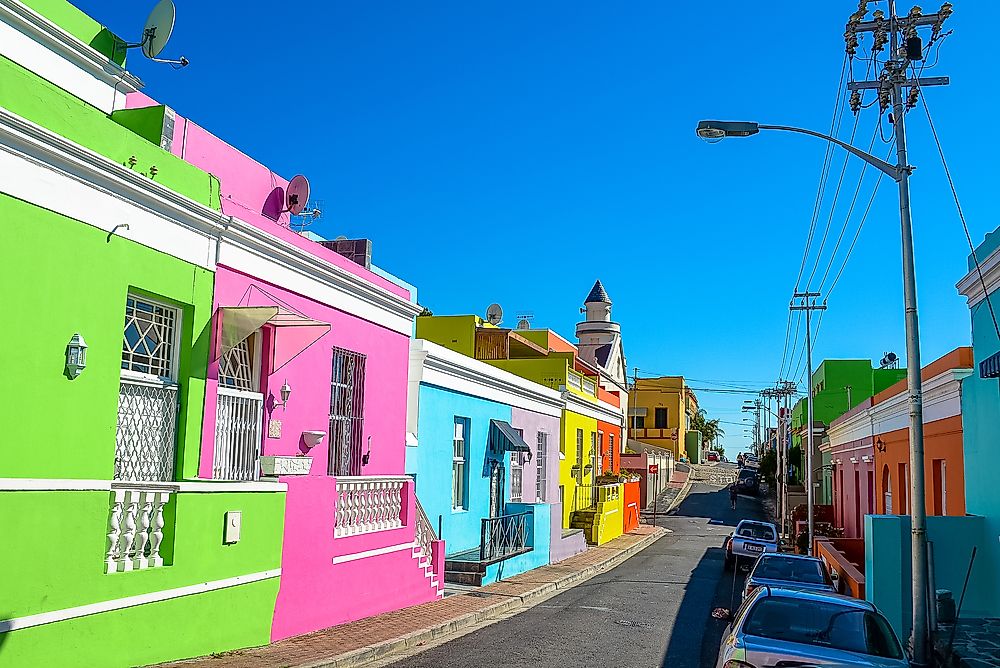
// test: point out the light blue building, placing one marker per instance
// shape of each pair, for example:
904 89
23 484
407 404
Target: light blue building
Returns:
475 432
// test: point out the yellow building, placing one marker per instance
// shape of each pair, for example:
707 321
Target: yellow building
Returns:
660 412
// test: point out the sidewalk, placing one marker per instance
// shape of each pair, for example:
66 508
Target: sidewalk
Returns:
365 640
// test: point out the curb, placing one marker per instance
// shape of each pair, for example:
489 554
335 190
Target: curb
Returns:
515 604
681 495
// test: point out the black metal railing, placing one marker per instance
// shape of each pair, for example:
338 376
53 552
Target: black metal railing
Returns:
503 537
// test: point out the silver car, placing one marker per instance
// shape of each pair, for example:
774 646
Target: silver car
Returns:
750 540
794 571
788 627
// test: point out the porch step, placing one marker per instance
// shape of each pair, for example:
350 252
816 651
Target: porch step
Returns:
474 579
462 566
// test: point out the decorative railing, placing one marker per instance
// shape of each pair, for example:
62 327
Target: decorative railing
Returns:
574 380
586 497
147 426
503 537
368 503
238 435
135 528
589 386
424 532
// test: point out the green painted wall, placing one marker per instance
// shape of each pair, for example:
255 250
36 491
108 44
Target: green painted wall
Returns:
81 26
29 96
455 332
146 122
71 278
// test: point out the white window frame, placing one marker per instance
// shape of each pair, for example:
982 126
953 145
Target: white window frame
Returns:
541 466
165 381
459 464
516 477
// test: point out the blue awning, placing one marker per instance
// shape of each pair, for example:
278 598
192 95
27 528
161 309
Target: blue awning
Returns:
504 438
990 367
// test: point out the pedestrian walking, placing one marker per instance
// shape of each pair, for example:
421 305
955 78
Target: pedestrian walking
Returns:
733 493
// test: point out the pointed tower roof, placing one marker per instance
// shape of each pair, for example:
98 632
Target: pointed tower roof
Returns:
597 294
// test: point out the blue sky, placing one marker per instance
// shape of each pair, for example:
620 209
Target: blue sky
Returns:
516 151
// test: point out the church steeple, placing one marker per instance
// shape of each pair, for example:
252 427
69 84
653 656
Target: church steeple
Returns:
598 294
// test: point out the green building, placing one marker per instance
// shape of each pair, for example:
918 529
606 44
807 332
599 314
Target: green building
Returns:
838 386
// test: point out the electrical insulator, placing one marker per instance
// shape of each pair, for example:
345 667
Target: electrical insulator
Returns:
883 99
851 40
911 99
947 9
855 102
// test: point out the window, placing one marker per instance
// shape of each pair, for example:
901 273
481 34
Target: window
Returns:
459 458
239 367
611 451
600 453
541 466
516 476
579 456
147 395
660 418
638 422
593 454
347 411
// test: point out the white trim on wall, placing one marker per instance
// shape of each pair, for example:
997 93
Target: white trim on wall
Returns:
972 288
54 173
599 411
376 552
18 623
197 486
40 46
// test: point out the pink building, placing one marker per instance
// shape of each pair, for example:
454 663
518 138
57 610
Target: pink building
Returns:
307 383
850 447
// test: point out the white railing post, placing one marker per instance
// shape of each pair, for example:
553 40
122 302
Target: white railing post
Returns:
156 536
114 531
135 527
368 503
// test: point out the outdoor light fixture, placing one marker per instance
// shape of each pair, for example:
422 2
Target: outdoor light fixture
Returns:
716 131
285 391
76 356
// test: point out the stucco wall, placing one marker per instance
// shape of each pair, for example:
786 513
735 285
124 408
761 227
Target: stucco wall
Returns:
571 422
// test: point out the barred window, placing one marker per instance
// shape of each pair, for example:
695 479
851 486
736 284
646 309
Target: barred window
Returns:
347 411
238 367
579 456
541 466
149 341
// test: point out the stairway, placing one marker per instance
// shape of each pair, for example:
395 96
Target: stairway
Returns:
589 521
424 562
464 572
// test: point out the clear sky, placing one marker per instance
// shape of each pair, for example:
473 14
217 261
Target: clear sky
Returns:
514 152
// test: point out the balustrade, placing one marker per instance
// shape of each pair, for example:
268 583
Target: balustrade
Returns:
135 528
368 503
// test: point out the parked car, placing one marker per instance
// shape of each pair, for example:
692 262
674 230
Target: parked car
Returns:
791 571
713 456
788 627
750 540
751 461
748 482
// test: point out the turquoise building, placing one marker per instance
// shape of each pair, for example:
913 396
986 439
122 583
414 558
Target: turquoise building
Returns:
483 450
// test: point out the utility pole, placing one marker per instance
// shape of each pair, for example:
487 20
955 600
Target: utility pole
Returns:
808 304
890 87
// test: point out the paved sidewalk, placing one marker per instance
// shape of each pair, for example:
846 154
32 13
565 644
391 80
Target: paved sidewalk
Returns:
360 642
977 644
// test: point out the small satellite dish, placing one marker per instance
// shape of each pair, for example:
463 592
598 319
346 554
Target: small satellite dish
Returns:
156 34
494 314
341 238
524 323
296 194
159 25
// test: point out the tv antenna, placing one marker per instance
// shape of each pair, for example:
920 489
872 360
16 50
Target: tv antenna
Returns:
312 211
296 197
494 314
524 320
156 34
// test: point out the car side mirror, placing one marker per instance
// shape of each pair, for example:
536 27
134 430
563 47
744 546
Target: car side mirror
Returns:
835 576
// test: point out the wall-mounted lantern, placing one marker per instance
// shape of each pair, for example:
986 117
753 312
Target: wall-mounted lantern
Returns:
76 356
285 391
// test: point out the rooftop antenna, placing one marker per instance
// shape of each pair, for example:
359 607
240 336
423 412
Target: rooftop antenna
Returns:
312 211
494 314
156 34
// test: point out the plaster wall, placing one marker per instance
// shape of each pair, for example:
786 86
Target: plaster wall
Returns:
532 423
571 423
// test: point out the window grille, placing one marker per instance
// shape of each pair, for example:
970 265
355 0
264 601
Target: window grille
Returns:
149 338
516 477
347 406
579 456
541 465
238 366
147 398
458 460
593 454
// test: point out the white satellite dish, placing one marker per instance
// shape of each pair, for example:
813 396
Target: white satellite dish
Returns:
524 323
494 314
156 33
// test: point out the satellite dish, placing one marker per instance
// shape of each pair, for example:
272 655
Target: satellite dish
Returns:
156 34
494 314
159 25
524 323
297 192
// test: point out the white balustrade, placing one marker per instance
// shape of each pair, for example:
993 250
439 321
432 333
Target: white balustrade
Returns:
574 380
368 503
135 528
589 386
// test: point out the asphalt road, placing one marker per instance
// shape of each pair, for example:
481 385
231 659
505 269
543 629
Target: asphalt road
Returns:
654 610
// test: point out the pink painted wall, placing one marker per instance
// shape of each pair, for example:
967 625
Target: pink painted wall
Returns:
314 593
245 185
851 497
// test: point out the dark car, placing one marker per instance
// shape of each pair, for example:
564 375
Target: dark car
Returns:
792 571
748 482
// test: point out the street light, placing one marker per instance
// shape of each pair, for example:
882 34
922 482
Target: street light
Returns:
715 131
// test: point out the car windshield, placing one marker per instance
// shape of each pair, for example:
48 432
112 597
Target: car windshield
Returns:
790 570
755 531
822 623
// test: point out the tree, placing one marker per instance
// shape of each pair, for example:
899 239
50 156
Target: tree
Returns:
709 429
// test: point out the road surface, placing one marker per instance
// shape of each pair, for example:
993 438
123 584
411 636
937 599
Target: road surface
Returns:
653 610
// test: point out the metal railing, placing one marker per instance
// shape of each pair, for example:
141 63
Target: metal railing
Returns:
239 421
503 537
147 427
135 527
424 533
368 503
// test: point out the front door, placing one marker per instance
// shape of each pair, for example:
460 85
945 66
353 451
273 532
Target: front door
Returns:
496 489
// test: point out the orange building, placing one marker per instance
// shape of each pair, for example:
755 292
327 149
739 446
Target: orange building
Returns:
944 465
